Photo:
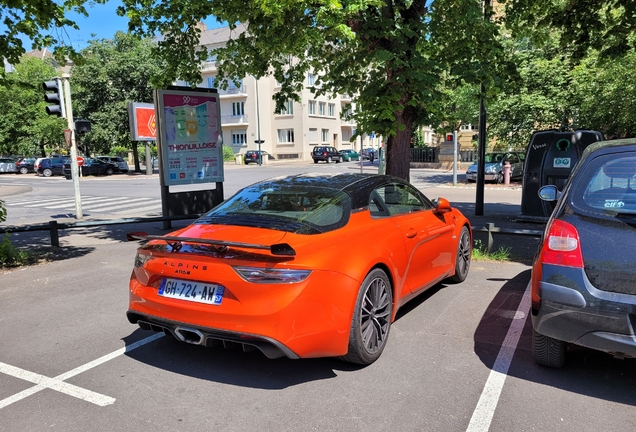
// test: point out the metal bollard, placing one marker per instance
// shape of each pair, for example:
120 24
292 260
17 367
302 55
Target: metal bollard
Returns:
506 171
55 234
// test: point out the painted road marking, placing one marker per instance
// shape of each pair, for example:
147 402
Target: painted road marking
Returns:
58 383
487 404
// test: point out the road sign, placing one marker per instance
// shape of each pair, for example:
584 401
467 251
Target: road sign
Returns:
67 136
80 161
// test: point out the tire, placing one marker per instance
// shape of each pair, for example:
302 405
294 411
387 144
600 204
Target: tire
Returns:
499 179
24 170
349 159
548 351
329 159
371 319
463 257
109 171
47 172
315 160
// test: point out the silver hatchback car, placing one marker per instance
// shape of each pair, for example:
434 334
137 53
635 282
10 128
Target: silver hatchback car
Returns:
119 162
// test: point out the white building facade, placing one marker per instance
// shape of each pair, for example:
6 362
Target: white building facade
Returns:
247 111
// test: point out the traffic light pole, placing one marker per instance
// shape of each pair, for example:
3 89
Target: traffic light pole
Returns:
74 166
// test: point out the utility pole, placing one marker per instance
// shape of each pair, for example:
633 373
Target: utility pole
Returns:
74 166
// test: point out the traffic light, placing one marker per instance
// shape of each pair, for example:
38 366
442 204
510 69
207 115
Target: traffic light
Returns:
56 98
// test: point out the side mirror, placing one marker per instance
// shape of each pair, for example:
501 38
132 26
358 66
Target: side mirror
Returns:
442 206
549 193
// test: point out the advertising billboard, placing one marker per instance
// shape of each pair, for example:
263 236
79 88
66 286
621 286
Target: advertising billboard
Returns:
143 122
189 141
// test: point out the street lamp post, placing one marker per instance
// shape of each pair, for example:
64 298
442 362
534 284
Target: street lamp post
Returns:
258 125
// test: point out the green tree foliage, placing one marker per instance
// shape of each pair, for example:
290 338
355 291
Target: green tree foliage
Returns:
390 55
114 72
604 95
41 21
25 127
605 25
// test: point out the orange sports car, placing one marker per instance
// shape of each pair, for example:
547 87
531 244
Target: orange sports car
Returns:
310 265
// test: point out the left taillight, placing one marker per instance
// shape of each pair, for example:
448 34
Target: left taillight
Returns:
141 259
271 276
562 245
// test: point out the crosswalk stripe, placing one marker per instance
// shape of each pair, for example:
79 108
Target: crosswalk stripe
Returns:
127 203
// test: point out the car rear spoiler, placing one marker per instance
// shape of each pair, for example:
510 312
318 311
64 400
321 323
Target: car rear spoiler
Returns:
175 243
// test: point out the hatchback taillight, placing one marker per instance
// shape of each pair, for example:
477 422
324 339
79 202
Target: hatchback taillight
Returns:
562 245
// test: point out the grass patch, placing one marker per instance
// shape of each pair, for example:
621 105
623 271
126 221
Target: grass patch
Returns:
480 253
11 256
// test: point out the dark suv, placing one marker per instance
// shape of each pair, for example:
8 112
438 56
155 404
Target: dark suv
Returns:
327 154
50 166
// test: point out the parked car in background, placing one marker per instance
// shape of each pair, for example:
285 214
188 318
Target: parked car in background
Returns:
119 162
251 156
25 165
7 165
494 166
326 154
50 166
255 269
350 155
367 152
582 283
91 166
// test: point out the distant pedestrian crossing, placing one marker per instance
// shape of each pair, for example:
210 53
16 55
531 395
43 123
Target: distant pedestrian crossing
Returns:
94 204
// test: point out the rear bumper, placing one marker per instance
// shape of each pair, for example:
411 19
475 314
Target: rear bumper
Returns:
583 315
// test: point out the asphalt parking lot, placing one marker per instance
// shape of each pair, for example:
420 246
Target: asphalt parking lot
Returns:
458 359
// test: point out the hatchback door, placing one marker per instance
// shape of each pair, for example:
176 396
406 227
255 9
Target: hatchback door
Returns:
602 202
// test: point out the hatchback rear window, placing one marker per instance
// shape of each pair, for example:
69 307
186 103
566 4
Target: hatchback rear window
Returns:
608 185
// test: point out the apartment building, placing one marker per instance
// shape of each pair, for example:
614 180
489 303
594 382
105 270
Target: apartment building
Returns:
247 112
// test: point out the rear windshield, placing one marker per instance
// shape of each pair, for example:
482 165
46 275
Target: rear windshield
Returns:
306 210
607 185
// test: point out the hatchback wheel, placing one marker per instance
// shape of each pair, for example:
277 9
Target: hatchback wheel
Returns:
499 179
349 159
24 170
329 159
315 160
463 257
548 351
47 172
371 319
109 171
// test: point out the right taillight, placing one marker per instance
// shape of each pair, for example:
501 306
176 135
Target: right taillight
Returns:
562 246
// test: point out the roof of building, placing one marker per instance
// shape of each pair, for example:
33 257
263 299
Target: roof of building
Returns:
221 34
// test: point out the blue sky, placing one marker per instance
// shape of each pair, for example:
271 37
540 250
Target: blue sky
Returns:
103 22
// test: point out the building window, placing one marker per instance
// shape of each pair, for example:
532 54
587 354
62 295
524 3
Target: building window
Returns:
211 82
235 84
324 135
321 108
313 135
239 137
311 79
332 110
288 109
312 107
285 136
238 109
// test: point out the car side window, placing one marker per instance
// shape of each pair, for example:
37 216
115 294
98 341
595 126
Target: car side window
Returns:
395 199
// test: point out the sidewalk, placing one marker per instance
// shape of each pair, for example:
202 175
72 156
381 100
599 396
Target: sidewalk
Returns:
7 190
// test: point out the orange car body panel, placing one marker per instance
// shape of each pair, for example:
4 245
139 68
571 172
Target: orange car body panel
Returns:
311 318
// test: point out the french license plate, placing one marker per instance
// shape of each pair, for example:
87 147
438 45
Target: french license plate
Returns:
192 291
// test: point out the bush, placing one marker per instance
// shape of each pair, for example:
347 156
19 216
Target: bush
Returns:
228 154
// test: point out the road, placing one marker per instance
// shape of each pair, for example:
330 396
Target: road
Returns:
458 357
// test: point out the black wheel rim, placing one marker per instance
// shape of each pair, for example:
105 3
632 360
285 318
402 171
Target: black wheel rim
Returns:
463 253
375 316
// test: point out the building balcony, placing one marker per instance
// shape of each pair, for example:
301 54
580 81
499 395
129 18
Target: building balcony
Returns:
234 120
233 92
345 97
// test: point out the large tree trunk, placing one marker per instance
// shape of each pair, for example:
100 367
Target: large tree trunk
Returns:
398 148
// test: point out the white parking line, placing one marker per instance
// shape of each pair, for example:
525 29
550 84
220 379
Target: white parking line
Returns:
58 383
487 404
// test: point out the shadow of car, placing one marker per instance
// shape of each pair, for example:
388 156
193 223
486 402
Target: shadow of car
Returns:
494 167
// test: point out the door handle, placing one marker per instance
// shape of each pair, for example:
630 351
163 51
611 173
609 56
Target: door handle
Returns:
411 234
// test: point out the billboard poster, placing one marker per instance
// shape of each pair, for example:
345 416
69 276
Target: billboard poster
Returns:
190 144
143 122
